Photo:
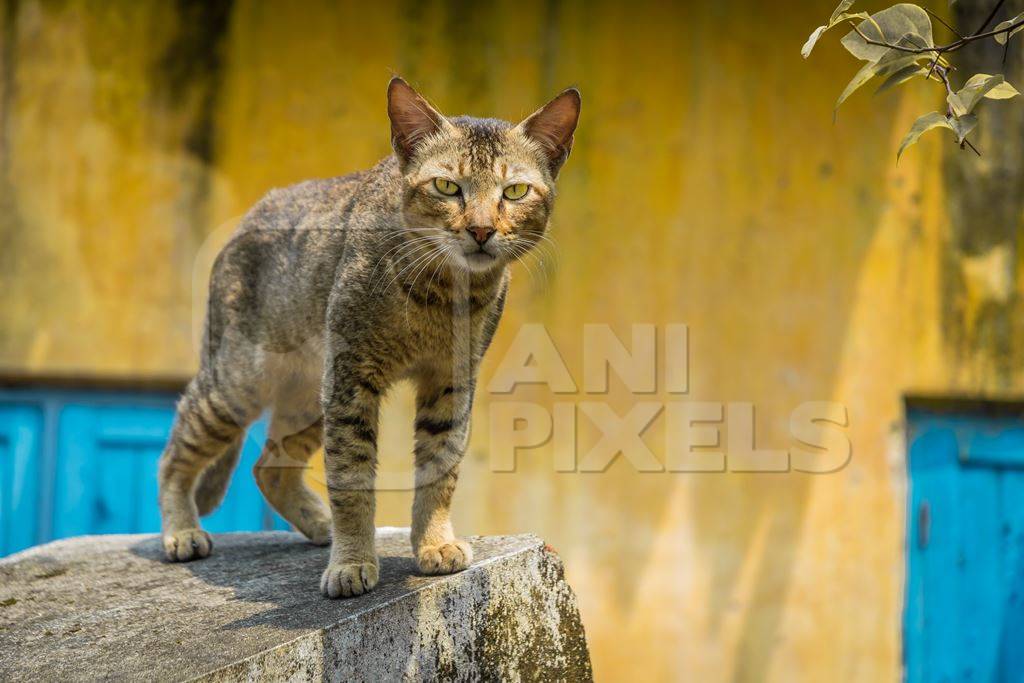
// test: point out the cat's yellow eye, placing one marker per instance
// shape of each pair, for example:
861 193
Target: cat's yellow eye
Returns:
446 187
517 191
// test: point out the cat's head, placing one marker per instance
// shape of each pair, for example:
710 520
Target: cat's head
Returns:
478 191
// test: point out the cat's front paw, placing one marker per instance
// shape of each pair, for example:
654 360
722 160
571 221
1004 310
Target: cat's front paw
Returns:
348 580
187 544
446 558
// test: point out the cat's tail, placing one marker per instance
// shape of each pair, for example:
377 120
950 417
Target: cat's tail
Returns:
213 482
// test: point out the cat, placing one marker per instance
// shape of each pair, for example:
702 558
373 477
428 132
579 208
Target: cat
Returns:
332 290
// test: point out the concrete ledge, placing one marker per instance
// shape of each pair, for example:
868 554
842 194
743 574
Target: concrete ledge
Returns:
109 607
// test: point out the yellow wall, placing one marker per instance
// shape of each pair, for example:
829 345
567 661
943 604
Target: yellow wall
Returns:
708 186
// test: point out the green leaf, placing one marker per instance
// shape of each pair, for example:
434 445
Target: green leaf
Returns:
902 76
900 22
924 124
839 15
892 61
963 125
866 73
1001 38
1003 91
805 51
977 87
842 7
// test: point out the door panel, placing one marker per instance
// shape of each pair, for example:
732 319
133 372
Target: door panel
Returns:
965 577
21 431
932 598
1011 653
979 574
107 474
85 462
106 469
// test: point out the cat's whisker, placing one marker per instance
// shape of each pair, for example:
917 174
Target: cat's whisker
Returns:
408 268
384 262
518 252
405 243
549 244
427 252
406 240
533 254
441 263
437 255
547 259
416 258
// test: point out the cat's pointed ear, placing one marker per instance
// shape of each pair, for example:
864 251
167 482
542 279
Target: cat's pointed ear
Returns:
552 127
412 118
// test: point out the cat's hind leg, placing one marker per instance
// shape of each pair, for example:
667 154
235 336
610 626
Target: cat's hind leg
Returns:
292 441
207 423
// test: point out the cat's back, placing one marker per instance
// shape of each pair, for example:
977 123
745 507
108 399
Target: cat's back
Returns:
279 235
322 207
278 268
296 206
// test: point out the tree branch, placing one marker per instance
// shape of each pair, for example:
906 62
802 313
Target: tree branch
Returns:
991 16
944 23
936 49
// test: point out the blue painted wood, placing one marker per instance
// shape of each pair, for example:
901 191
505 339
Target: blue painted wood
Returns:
998 445
106 469
20 445
979 575
1011 653
964 616
81 462
931 554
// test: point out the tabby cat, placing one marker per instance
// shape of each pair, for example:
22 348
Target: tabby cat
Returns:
332 290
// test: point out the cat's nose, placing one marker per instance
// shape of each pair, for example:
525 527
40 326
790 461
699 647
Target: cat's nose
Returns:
481 233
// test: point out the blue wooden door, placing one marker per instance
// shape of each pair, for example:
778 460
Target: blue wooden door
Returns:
107 474
85 462
20 455
964 618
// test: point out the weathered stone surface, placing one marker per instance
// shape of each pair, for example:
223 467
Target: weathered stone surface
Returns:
109 607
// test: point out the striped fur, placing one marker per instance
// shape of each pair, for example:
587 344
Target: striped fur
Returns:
330 292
